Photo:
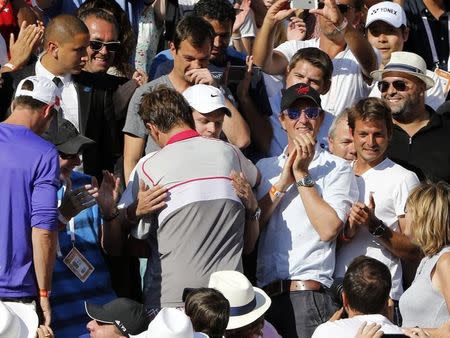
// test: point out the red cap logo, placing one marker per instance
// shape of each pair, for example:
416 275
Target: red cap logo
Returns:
303 90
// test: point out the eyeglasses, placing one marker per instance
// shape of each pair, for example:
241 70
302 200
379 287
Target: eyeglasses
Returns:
399 85
112 46
343 8
68 156
311 113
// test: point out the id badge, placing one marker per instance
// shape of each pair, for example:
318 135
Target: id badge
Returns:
78 264
445 80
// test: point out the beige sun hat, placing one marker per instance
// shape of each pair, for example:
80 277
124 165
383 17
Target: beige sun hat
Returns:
405 62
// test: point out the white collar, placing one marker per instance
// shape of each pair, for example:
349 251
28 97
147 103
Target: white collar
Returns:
42 71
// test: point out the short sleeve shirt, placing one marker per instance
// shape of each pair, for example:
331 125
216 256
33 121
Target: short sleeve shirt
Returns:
134 124
29 168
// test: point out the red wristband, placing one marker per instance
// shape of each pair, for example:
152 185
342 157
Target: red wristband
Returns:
44 293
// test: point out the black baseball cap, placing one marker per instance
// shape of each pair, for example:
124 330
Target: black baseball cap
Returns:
297 92
126 314
67 139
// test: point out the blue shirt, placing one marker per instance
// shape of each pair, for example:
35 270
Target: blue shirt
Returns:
29 170
68 292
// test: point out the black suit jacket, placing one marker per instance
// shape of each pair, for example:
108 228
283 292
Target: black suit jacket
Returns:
100 116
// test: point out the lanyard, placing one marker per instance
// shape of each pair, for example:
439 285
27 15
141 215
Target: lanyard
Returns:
431 40
71 224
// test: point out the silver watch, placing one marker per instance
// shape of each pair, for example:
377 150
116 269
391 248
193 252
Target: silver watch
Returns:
306 181
255 216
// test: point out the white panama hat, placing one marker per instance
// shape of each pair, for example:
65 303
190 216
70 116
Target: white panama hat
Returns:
171 323
405 62
18 320
247 303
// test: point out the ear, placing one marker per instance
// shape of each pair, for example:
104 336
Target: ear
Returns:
345 301
52 49
48 111
326 87
282 119
405 33
172 48
153 131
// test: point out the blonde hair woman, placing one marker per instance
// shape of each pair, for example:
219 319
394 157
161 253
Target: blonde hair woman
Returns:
427 302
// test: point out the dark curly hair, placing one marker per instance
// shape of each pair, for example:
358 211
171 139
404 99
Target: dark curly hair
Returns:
220 10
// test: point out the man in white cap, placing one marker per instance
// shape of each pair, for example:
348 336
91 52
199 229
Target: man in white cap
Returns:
30 179
387 32
420 136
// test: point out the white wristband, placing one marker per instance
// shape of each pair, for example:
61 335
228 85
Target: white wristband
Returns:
342 26
9 65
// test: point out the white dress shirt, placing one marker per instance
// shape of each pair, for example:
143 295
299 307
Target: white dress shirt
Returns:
69 96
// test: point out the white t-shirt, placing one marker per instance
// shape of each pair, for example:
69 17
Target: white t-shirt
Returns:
347 83
248 28
434 96
391 185
348 327
3 51
289 246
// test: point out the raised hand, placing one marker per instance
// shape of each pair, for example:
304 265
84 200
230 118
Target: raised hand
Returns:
296 29
279 11
305 147
287 176
140 77
107 193
199 75
27 40
330 12
75 201
244 191
244 9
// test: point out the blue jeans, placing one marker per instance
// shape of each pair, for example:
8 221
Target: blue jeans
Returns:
297 314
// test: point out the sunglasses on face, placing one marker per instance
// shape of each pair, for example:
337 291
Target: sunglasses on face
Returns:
399 85
343 8
68 156
112 46
311 113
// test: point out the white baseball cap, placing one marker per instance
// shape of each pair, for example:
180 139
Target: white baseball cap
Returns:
389 12
17 320
43 90
205 99
247 303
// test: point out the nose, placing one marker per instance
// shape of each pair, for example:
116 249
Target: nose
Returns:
351 149
391 90
371 140
382 37
302 118
211 127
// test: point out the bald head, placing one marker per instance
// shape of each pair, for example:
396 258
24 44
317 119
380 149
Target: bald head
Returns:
64 28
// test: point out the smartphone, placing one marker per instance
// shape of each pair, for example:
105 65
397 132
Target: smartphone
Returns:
237 73
305 4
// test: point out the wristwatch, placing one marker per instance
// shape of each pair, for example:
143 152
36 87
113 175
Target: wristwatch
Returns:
306 181
379 230
255 216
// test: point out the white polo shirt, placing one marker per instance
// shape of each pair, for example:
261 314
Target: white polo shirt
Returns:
289 246
391 185
348 327
347 83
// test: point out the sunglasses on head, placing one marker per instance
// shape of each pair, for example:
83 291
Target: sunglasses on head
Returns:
311 113
112 46
399 85
343 8
68 156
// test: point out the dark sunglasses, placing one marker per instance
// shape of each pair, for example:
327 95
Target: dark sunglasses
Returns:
68 156
311 113
112 46
399 85
343 8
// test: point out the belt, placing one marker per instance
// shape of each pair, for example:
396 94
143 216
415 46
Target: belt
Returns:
282 286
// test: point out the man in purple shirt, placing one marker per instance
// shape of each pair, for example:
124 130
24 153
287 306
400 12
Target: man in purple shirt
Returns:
29 181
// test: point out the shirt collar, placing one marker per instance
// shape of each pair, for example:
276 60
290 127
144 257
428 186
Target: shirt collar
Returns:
42 71
183 135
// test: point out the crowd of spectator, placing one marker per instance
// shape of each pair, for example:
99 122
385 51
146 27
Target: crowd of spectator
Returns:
224 168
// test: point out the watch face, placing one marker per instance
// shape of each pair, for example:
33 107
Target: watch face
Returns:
309 182
257 214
